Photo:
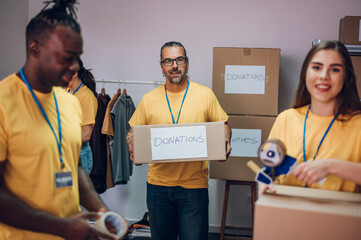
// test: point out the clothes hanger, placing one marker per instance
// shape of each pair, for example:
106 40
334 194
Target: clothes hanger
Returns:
125 92
119 90
102 91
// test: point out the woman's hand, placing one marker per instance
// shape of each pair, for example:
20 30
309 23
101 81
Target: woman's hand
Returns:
314 171
264 187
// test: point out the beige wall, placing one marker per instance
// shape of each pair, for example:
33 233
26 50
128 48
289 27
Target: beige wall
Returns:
14 16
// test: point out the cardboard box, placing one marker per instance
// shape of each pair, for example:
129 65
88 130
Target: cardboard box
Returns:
303 213
248 133
356 62
179 142
350 30
246 80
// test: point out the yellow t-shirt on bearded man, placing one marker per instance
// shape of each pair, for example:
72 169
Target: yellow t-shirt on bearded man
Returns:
200 105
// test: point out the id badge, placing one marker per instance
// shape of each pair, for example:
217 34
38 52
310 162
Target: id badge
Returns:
63 179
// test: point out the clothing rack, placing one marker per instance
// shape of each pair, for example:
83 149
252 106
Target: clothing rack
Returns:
155 83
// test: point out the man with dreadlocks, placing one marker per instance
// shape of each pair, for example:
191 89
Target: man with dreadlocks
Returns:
41 183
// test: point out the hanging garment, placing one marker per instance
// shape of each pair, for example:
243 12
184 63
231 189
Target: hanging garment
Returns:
107 129
122 167
99 147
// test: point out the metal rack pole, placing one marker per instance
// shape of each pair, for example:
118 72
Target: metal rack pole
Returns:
131 82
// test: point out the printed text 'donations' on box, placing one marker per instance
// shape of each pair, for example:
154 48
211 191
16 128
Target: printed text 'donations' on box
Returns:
246 80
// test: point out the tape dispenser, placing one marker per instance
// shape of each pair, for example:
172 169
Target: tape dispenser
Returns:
272 154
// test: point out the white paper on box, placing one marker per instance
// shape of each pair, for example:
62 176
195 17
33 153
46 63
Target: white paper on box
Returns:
245 142
243 79
178 142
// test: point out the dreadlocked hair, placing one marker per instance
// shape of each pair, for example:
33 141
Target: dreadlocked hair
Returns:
62 13
87 77
63 5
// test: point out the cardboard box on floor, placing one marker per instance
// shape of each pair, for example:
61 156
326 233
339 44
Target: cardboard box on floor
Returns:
179 142
302 213
248 133
356 62
246 80
350 30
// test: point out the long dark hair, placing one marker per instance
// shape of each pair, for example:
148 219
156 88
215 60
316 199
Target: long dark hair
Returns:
347 101
87 77
62 13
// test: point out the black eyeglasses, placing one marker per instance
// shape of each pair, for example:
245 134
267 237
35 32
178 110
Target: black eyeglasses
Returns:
169 61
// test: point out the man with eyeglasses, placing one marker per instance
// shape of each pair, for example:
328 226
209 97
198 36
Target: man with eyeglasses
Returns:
177 193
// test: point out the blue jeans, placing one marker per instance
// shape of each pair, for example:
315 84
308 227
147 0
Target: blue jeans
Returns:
86 157
176 210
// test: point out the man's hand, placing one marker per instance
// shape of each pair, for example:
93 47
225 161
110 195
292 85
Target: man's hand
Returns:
228 134
228 148
79 228
130 141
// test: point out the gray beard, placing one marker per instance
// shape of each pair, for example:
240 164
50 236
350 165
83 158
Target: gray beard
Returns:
176 80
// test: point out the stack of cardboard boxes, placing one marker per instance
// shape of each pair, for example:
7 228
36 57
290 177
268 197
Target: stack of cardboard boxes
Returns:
350 35
245 81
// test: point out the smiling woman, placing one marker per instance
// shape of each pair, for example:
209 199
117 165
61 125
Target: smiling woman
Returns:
323 129
347 100
324 80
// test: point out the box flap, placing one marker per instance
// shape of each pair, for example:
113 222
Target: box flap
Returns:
310 205
319 194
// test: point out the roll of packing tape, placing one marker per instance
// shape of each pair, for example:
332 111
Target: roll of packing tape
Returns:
272 152
113 223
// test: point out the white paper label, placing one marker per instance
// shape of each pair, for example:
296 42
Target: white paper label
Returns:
179 142
245 142
242 79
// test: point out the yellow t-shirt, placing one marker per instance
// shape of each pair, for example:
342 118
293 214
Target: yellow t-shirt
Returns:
200 105
343 141
89 105
30 151
107 127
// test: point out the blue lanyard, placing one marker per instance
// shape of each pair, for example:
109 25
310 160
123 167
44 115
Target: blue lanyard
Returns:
76 88
58 141
170 109
323 137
